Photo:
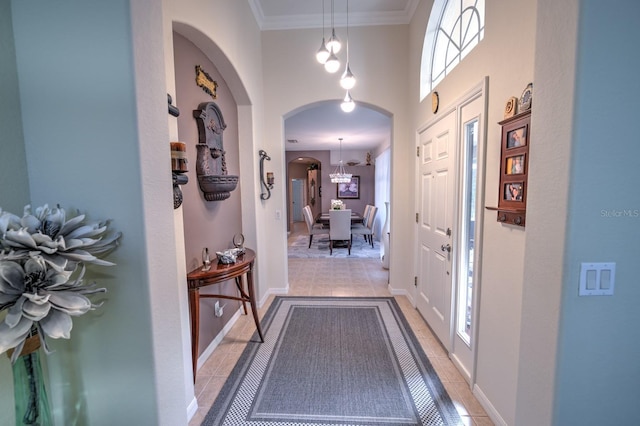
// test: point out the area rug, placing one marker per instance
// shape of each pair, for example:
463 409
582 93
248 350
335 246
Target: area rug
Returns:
298 247
333 361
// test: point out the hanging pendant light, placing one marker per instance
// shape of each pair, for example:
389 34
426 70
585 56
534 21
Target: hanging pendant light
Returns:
347 104
323 53
334 42
340 175
333 64
348 80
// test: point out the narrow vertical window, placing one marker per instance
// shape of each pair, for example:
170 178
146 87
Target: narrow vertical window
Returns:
465 285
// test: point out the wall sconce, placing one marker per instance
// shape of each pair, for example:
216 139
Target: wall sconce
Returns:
178 168
268 185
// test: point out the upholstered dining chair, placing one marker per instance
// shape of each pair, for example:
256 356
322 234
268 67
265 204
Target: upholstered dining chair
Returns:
339 228
313 228
355 227
367 230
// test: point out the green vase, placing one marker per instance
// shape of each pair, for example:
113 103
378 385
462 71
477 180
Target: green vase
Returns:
32 403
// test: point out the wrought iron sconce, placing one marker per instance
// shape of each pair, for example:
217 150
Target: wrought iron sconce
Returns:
268 185
178 168
174 111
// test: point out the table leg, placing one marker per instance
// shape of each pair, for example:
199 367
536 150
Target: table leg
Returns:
194 308
252 300
239 285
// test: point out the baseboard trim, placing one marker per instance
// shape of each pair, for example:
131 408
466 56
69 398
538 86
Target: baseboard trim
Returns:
493 414
215 342
192 408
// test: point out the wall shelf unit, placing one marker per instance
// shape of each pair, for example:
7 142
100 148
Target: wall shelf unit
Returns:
514 169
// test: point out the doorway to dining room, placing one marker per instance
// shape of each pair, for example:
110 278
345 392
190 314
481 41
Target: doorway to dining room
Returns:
312 135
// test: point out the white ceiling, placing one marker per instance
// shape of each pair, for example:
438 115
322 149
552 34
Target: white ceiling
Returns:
288 14
319 127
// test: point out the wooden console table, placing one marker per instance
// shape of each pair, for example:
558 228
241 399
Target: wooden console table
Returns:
220 273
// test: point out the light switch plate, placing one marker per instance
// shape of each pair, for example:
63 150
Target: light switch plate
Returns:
597 279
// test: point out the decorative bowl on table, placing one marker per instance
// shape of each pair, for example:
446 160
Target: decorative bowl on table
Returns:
227 257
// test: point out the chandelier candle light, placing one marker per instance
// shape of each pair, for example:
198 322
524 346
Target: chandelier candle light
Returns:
340 175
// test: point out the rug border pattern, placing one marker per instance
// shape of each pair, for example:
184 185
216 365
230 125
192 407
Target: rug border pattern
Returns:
431 402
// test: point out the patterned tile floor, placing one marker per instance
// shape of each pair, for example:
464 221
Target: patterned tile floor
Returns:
337 277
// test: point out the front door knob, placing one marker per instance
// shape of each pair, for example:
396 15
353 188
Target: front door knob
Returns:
446 247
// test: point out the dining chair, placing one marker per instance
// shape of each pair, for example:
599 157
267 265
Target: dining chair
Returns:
339 228
313 228
367 231
360 226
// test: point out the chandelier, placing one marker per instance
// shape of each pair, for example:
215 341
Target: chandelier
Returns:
340 175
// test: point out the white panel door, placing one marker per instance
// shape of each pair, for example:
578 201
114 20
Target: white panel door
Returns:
435 218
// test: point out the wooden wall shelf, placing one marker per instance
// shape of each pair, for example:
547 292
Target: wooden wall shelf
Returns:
514 169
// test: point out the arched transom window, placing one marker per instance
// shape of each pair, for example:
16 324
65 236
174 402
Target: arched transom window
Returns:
455 27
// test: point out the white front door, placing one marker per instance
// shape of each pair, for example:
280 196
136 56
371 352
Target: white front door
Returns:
436 197
450 203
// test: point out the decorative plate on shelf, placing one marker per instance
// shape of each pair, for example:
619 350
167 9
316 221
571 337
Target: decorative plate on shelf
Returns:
525 99
352 163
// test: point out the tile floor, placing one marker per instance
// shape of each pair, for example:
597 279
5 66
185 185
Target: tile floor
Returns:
340 278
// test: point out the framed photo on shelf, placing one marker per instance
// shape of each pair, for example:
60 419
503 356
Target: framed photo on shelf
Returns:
350 190
515 165
513 191
517 137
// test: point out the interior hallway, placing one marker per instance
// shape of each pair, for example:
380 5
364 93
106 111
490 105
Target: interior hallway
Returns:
338 278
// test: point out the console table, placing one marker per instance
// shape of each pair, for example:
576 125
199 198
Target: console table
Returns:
219 273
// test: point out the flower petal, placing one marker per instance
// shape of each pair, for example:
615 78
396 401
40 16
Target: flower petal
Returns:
20 238
8 221
57 325
36 309
70 302
10 337
71 224
11 277
14 313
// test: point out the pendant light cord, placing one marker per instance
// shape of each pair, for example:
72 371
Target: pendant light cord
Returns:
347 32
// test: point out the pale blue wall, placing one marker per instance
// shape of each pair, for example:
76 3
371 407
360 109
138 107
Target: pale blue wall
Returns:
14 182
81 138
598 369
14 185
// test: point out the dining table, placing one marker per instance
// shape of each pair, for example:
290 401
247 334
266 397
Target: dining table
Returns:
323 218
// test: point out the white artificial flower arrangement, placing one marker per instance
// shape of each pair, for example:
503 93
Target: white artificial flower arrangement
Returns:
337 205
42 265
